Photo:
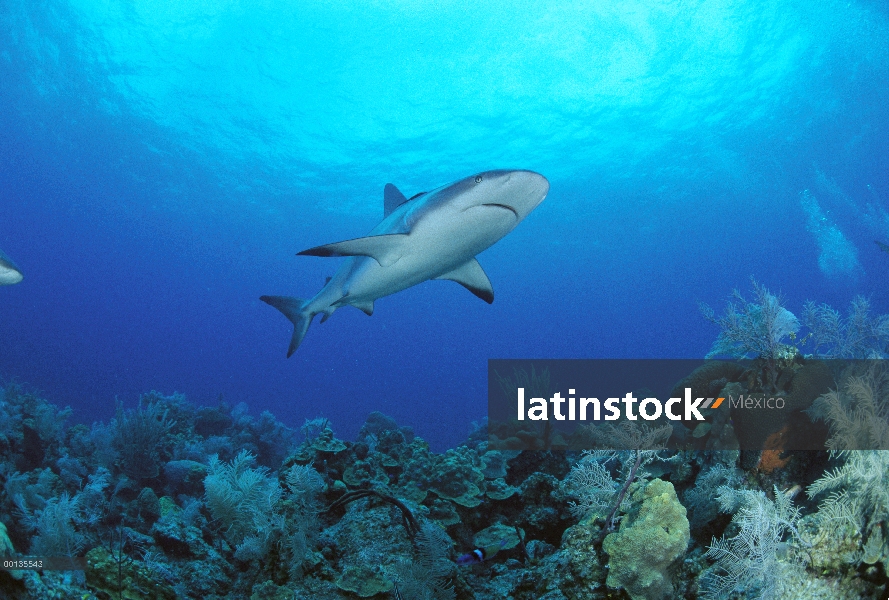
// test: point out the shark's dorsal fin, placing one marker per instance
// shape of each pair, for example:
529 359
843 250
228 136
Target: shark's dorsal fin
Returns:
471 276
392 199
385 249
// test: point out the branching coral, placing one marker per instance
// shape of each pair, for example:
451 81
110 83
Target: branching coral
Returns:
429 576
699 499
749 559
859 490
858 335
591 484
54 525
138 437
857 412
752 329
245 501
856 494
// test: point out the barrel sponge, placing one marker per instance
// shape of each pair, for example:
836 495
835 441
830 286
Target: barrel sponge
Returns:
651 539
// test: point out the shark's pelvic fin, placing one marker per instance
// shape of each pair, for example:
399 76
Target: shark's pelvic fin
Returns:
392 199
293 309
385 249
471 276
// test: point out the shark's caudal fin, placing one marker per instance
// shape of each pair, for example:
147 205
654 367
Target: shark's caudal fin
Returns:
293 309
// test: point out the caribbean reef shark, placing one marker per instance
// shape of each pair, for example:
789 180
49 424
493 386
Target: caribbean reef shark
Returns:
9 272
432 235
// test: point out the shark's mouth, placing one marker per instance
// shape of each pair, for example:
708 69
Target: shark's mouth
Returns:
505 207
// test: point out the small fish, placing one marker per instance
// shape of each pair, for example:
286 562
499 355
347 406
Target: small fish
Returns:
882 246
479 555
792 492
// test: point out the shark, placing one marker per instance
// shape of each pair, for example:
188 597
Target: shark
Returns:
431 235
9 272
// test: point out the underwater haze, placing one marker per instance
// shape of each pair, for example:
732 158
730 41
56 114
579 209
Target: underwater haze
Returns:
161 163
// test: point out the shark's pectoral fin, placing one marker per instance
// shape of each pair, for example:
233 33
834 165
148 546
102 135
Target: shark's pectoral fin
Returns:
471 276
365 307
385 249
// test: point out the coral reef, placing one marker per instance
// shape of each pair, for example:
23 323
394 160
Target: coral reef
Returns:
171 500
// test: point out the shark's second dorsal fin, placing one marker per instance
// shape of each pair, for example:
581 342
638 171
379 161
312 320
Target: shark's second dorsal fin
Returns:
471 276
392 199
385 249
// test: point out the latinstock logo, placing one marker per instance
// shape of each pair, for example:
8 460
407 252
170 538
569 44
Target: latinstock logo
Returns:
578 404
591 409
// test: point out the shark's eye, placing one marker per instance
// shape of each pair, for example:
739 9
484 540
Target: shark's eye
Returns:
478 178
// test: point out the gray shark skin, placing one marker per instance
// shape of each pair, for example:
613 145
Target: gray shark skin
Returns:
434 235
9 272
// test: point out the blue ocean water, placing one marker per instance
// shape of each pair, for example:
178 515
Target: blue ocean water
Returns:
161 163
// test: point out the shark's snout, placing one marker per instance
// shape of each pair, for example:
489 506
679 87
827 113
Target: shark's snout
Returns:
524 191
